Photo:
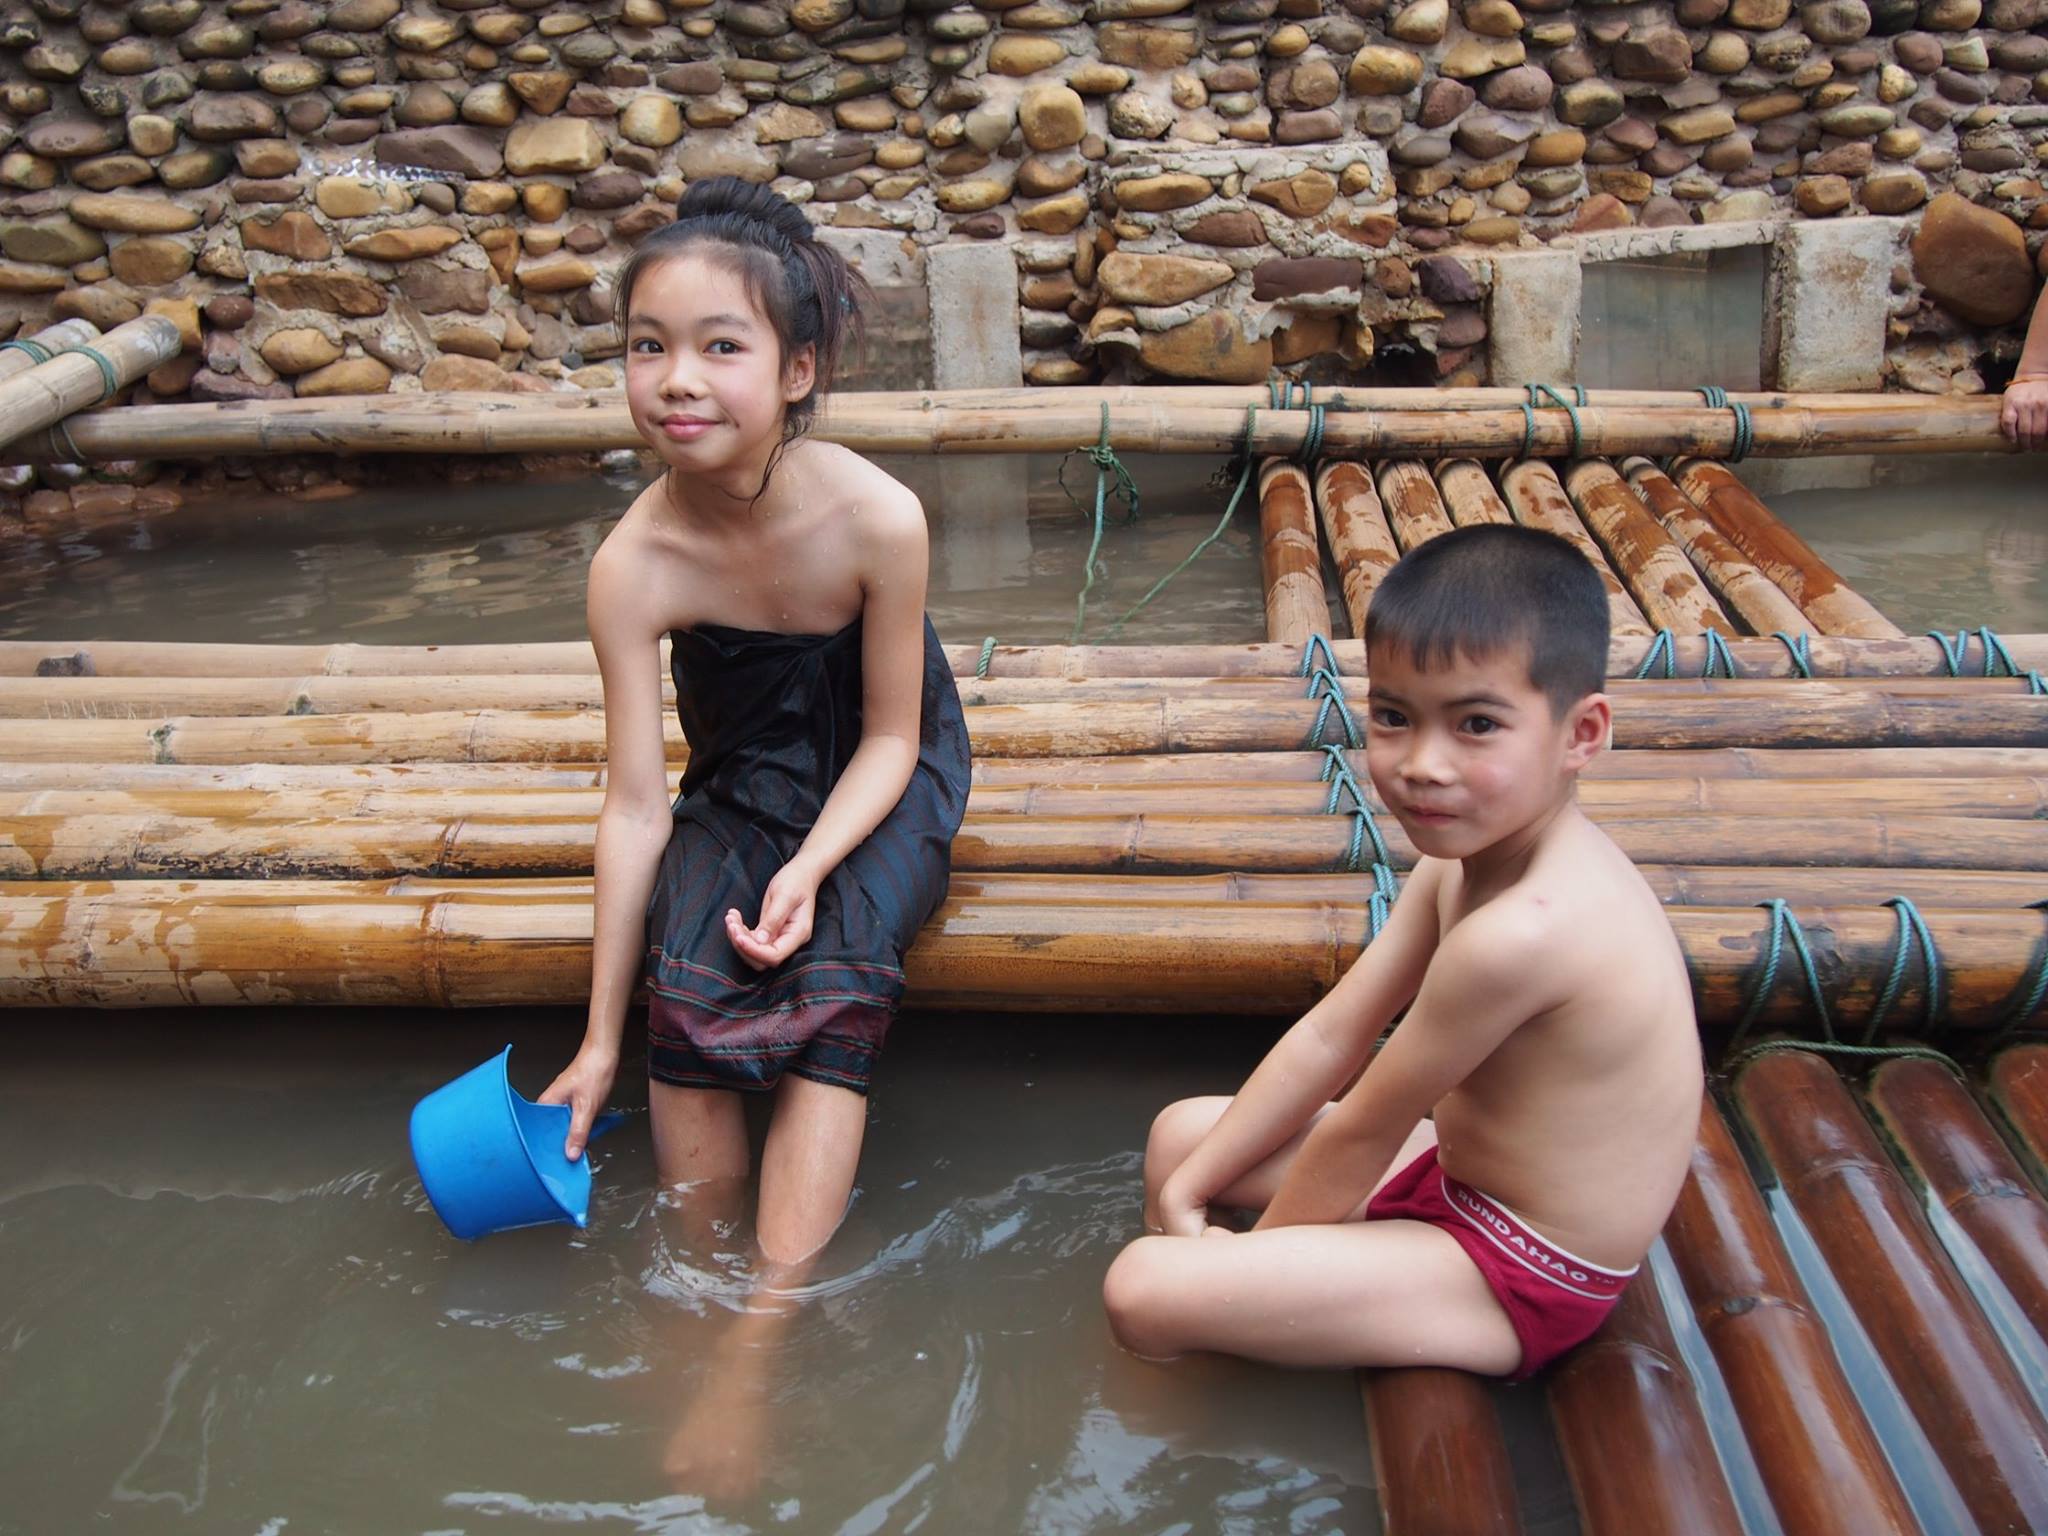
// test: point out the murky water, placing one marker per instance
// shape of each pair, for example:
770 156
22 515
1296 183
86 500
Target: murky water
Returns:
227 1306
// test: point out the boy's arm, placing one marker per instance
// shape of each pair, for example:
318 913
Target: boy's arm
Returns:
2024 416
1312 1061
1493 972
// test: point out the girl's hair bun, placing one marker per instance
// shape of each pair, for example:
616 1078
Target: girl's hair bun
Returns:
730 196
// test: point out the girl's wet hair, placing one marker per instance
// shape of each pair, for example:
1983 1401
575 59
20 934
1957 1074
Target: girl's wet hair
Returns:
1484 591
808 294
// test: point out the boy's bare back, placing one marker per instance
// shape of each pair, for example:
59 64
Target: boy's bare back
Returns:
1582 1119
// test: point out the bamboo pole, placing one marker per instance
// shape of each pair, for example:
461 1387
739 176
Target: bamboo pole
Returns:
1634 1438
71 381
145 943
1439 1458
1660 578
1540 502
1830 657
1290 563
2019 1090
1039 421
1823 1468
165 843
1469 495
1935 1344
1930 1116
1414 507
64 336
1361 542
1831 605
1746 591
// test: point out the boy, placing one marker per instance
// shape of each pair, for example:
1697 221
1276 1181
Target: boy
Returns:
1549 1030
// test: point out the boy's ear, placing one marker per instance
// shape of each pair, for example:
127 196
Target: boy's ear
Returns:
801 375
1588 731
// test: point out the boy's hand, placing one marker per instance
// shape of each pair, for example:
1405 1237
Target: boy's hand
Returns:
787 908
2024 416
1179 1214
583 1085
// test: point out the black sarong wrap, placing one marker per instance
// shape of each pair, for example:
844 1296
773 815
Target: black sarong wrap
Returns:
772 721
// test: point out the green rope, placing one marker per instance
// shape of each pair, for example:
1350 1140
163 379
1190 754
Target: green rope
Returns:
1536 392
1741 1059
988 654
1782 922
1911 926
1365 828
109 379
1663 648
1229 511
1380 904
1106 463
36 351
1998 661
1309 648
1280 396
1328 687
2012 1022
1718 656
1663 652
1312 440
1745 429
1799 646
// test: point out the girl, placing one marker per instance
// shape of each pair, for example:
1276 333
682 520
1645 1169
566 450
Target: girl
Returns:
770 907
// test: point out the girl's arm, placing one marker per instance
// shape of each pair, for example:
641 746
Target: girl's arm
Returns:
632 828
1312 1062
891 545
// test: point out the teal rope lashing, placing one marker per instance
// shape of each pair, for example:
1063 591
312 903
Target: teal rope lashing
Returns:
1536 394
1365 831
2036 989
1800 647
1309 647
1998 661
36 351
1912 928
1663 652
1745 429
988 654
1280 396
1126 489
1327 686
1251 413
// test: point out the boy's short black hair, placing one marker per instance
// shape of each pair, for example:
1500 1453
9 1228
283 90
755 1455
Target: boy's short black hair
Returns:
1485 589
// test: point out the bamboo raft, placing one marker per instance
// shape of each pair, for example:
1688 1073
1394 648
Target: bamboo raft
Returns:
1844 1327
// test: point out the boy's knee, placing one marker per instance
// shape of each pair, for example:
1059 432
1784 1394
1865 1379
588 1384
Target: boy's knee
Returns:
1137 1295
1175 1131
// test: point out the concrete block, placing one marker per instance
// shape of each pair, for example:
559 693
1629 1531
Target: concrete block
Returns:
1825 303
974 317
1533 320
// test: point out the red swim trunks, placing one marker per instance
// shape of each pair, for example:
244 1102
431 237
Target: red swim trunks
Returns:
1554 1299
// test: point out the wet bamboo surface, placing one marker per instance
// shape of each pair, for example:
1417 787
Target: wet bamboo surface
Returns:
1540 502
1438 1455
1744 590
1361 540
1290 560
2019 1090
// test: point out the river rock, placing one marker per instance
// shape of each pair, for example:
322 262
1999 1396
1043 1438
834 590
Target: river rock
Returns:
337 293
1662 56
298 349
1972 262
556 145
1158 281
1162 194
53 240
1384 71
1212 347
350 376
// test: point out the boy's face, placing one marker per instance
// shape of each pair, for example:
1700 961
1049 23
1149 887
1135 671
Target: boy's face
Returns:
1468 755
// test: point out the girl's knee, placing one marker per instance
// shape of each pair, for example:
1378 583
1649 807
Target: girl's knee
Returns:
1138 1295
1176 1130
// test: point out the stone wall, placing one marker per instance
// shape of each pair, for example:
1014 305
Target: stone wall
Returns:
349 196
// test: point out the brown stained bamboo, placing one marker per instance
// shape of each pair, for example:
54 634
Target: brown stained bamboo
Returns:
1830 657
1290 561
1659 577
1989 798
137 943
1540 502
71 381
1936 1346
64 336
1830 604
1469 495
1744 590
1805 716
1822 1467
126 846
1361 541
1956 1157
1439 1458
1634 1438
2019 1090
1033 421
1415 508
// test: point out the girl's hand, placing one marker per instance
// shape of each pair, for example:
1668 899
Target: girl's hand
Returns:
583 1085
1179 1214
2024 417
787 908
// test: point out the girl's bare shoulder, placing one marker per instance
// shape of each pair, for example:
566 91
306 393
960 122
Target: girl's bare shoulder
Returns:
856 486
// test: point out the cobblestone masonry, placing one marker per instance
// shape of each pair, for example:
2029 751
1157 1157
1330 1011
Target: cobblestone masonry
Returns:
355 196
